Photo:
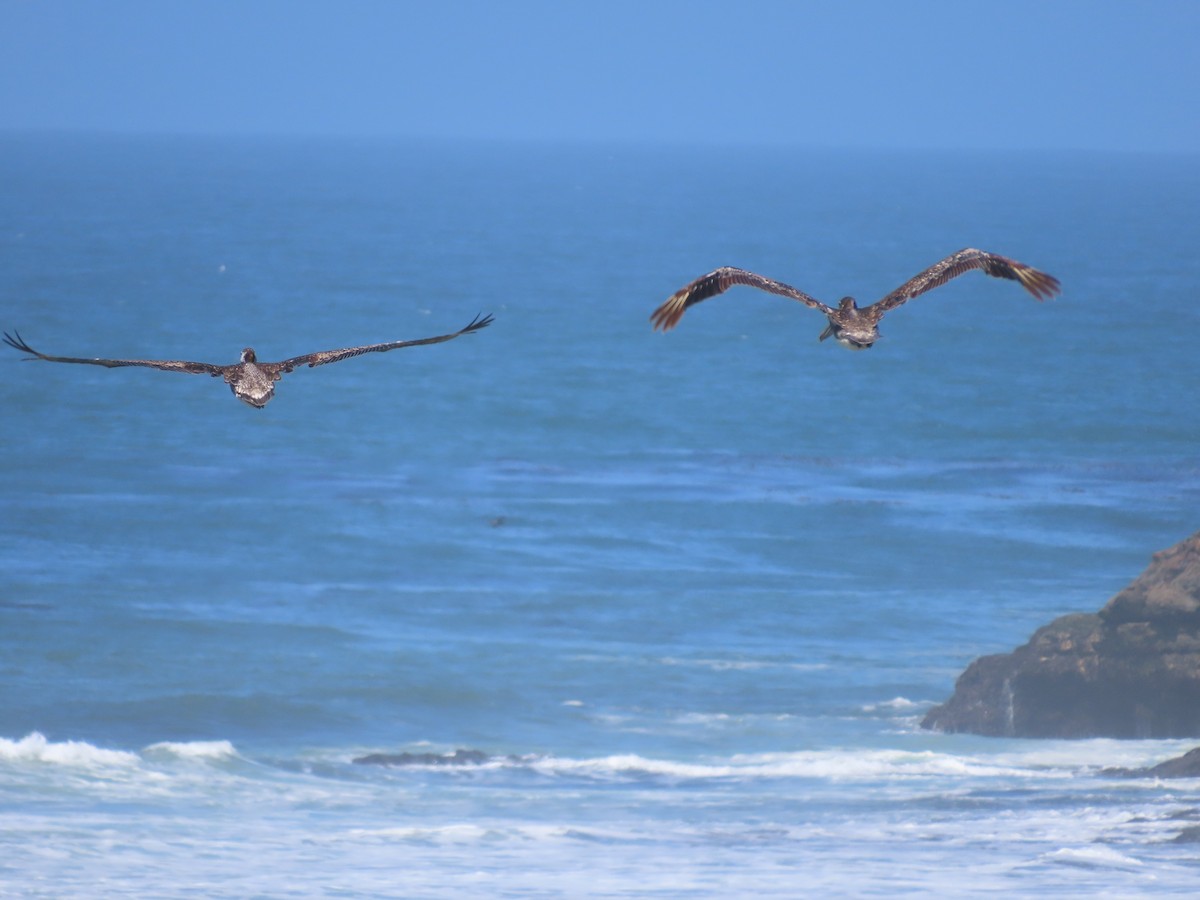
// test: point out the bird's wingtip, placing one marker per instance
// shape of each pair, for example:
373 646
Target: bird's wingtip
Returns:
1042 286
480 321
17 342
668 315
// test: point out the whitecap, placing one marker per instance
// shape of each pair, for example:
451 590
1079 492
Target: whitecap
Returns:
896 704
34 747
724 720
1091 753
629 765
453 833
699 718
1092 858
205 750
833 765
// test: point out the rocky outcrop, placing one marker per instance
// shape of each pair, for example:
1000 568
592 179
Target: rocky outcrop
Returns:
457 758
1130 670
1186 766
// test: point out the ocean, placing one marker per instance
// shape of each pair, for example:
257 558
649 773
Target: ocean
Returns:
683 598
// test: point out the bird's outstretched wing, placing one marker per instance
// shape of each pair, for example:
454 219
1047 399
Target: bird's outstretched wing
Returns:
324 357
167 365
719 281
1039 284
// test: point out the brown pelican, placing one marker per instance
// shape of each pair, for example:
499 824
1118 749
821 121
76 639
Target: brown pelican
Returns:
251 381
851 326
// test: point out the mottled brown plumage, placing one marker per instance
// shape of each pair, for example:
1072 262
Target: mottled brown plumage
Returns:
251 381
851 326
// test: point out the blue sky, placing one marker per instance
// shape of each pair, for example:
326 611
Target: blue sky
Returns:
925 74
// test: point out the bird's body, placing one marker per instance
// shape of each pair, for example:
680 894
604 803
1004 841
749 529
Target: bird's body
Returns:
852 326
251 381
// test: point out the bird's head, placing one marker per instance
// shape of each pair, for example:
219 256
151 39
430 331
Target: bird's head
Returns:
847 303
248 355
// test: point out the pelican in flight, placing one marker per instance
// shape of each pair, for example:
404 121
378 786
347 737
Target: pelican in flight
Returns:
854 327
251 381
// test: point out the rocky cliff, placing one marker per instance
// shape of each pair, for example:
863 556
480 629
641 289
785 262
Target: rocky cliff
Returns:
1130 670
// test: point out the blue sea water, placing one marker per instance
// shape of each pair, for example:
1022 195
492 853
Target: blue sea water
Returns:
689 595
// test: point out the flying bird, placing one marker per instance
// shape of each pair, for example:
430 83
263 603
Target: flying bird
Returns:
251 381
854 327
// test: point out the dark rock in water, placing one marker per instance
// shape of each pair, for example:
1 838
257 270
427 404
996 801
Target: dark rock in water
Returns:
1186 766
457 758
1131 670
1189 835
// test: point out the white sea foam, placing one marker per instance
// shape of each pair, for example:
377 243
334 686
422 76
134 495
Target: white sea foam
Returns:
896 704
36 748
455 833
835 765
1094 753
722 719
207 750
372 837
500 830
1093 857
